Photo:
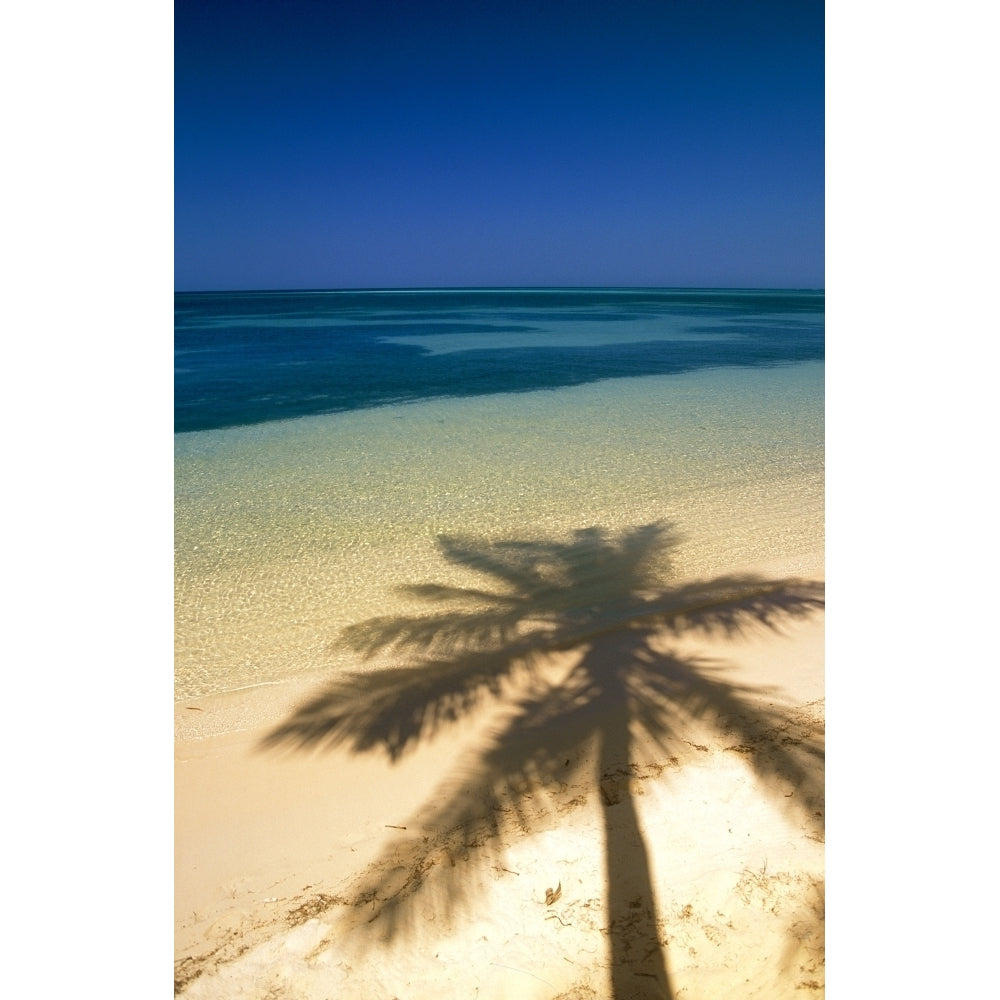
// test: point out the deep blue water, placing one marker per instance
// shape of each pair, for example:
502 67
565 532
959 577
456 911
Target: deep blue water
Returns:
250 357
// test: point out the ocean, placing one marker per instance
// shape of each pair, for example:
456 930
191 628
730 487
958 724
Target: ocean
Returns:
326 441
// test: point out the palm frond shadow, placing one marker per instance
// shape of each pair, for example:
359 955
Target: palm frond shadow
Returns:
603 598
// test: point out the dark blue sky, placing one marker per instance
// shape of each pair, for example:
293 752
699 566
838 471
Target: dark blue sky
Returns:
399 144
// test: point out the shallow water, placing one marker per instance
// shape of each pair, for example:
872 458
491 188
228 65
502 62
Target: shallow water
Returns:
288 530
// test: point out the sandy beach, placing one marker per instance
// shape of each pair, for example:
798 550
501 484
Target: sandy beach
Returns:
629 813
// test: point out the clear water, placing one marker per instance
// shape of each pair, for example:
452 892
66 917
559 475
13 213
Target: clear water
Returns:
324 440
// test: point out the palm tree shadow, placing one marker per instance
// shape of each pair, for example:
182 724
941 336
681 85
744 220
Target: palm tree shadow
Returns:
602 598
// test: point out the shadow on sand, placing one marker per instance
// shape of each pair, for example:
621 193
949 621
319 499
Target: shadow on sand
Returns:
602 598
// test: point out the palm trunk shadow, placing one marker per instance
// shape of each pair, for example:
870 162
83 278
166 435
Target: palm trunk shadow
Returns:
635 950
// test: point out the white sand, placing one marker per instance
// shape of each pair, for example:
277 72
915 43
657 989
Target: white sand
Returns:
331 874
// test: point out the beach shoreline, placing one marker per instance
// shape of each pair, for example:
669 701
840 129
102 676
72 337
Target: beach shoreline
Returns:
274 848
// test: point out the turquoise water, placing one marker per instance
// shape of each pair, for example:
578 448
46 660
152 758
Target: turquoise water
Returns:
289 529
251 357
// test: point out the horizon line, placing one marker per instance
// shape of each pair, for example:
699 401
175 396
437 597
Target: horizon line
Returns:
505 288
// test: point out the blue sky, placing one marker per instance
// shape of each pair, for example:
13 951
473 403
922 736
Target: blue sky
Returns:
426 144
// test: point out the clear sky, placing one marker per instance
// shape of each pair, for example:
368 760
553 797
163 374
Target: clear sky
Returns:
380 144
